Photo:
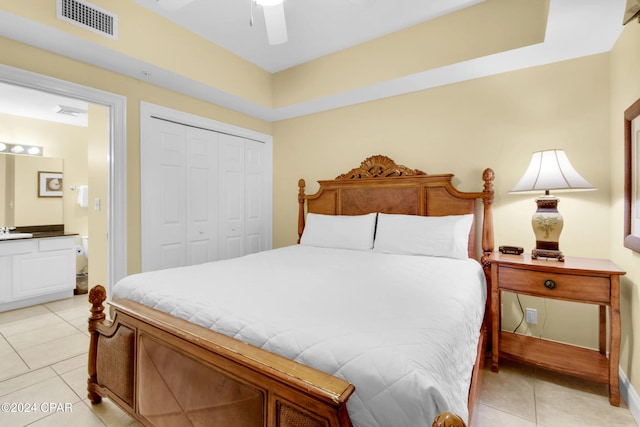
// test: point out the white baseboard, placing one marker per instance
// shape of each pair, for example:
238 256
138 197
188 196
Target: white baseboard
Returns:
630 395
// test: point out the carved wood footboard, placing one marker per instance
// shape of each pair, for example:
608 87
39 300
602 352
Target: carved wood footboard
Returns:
165 371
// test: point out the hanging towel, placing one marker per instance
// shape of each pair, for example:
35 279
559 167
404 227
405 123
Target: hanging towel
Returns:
83 196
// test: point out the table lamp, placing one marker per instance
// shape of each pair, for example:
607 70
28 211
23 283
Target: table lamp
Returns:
549 170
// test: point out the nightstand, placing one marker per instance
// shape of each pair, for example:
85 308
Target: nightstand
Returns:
583 280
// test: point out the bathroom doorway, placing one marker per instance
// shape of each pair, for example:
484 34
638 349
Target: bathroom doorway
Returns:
104 210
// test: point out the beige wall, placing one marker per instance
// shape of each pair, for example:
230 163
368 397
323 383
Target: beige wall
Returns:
162 43
29 209
98 166
625 90
489 27
486 28
491 122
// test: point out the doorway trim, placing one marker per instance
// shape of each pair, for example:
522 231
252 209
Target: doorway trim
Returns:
117 162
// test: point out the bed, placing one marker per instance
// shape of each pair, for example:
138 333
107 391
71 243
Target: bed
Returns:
311 334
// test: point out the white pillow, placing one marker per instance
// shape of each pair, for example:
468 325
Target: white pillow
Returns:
441 236
339 231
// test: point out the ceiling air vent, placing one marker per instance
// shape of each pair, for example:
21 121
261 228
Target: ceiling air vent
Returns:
88 16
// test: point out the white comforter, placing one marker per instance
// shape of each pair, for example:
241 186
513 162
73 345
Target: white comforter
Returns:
403 329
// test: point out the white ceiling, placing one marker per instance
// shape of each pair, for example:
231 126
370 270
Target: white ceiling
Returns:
35 104
575 28
315 27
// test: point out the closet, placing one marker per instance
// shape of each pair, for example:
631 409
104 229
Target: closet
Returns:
241 196
205 194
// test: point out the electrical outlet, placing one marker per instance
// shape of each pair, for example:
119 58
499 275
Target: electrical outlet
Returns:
532 316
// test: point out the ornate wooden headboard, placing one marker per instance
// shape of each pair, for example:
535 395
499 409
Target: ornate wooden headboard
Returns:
380 185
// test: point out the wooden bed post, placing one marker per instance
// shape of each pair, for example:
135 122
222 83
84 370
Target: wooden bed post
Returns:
301 185
487 227
487 248
448 419
97 296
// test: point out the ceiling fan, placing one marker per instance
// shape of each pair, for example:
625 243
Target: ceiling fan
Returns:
273 16
274 20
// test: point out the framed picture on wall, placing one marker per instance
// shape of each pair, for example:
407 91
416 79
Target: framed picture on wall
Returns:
49 184
632 177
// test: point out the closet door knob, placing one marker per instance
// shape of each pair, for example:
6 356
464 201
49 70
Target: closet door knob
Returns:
549 284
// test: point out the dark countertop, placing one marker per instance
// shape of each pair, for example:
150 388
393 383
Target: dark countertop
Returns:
39 235
41 231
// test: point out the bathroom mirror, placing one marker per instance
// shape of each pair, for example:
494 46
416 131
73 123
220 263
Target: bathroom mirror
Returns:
19 189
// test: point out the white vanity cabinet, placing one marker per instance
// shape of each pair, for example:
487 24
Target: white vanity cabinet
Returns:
5 279
34 271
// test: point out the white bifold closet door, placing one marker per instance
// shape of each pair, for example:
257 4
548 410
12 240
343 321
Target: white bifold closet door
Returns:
180 196
204 196
243 205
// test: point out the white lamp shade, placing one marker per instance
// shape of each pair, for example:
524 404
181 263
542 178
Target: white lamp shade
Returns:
551 170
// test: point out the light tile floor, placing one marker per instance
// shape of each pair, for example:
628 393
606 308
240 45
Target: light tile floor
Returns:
525 396
43 361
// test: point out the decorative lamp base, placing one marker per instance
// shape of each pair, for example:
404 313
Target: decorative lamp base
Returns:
547 225
547 253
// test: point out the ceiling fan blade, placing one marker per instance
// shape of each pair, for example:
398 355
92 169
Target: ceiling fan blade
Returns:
275 23
172 5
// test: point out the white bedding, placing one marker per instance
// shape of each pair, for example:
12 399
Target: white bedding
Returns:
398 327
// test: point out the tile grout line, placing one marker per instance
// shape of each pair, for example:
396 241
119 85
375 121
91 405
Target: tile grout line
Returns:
29 369
18 354
56 373
59 375
495 408
71 357
66 321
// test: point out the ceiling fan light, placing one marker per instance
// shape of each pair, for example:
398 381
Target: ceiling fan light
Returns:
269 2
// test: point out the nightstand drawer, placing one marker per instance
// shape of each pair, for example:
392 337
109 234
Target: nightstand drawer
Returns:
563 286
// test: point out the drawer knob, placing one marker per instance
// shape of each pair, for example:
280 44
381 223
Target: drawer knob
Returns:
549 284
